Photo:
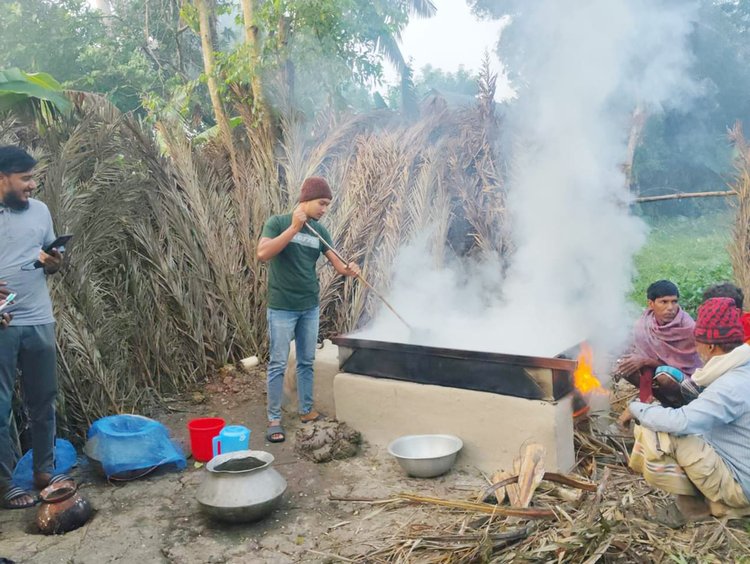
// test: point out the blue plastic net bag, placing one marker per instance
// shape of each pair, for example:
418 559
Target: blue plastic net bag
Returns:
129 446
65 459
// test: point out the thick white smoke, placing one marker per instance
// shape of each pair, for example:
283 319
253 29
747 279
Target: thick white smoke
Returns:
582 67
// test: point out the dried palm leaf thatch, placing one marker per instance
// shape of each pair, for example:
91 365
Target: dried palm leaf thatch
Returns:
163 282
158 288
739 247
400 182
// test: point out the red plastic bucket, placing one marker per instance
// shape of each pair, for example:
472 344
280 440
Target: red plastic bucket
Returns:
202 432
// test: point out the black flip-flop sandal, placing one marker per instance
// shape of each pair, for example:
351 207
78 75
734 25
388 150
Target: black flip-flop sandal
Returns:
13 494
60 478
275 430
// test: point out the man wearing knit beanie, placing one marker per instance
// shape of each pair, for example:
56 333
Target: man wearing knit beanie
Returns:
729 290
292 250
699 452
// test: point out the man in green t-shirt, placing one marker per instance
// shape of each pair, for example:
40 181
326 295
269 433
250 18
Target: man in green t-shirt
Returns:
292 251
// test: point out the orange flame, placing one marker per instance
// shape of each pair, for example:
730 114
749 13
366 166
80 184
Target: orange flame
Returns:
583 377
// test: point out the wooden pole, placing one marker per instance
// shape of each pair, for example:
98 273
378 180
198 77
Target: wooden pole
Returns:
684 195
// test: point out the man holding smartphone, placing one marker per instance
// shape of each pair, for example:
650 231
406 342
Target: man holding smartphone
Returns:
28 343
4 317
293 251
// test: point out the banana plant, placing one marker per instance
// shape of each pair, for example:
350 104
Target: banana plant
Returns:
37 95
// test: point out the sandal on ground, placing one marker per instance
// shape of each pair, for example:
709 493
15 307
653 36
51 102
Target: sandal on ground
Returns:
60 478
311 416
40 484
275 430
16 493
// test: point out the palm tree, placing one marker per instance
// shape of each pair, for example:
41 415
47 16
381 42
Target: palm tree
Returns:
388 43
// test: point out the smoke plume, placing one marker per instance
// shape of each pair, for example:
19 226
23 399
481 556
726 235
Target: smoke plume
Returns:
580 68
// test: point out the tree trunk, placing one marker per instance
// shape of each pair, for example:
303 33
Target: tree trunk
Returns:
251 38
286 67
106 9
213 86
103 6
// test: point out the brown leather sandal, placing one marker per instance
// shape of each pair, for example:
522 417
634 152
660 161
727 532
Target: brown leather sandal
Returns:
311 416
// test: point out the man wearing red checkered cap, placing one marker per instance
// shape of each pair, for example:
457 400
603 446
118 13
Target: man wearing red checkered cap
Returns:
699 452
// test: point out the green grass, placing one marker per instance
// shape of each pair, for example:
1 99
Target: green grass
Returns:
691 252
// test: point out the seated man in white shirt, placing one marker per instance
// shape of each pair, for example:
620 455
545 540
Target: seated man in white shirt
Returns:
699 452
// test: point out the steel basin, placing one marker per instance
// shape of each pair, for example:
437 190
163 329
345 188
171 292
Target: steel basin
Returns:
426 456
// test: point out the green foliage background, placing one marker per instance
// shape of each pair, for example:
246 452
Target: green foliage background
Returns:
692 252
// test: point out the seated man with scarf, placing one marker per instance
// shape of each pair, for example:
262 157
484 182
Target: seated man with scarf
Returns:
699 452
663 351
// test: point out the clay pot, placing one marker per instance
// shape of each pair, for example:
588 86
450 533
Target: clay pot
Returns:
63 509
241 486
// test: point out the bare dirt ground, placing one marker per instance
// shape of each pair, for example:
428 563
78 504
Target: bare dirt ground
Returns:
156 519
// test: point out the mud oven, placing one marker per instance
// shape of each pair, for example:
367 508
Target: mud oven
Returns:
495 402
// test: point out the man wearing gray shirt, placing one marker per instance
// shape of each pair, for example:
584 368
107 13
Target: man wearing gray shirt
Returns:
28 343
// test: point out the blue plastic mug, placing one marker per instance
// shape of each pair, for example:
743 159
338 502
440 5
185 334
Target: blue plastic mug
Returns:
231 438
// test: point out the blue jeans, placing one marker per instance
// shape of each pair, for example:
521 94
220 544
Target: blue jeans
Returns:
283 327
32 349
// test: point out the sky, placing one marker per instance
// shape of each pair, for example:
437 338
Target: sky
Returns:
453 37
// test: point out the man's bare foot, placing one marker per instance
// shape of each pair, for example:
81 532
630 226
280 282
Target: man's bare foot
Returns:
617 431
625 418
692 507
41 480
682 510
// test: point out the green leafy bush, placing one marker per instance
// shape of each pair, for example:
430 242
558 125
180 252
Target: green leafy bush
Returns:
692 252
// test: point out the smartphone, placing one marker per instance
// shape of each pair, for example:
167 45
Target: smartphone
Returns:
58 244
8 301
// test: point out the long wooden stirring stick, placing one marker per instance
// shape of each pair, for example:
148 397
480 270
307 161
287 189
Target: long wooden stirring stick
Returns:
362 279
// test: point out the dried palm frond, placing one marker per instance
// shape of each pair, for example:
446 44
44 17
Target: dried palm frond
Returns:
739 247
163 283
